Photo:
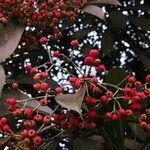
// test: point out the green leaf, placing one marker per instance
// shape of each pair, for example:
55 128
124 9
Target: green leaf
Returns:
143 23
117 21
108 42
117 76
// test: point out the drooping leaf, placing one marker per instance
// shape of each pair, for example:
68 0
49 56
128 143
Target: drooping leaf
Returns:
112 2
72 101
95 10
10 37
91 143
2 78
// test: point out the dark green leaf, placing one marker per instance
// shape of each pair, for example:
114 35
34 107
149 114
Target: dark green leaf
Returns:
108 42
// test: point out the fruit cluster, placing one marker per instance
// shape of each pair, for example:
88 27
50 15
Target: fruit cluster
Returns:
120 103
40 14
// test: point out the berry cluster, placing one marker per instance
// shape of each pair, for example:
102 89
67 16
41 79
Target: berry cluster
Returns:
45 14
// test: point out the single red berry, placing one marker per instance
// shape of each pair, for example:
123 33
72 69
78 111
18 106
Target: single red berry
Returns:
74 43
94 80
47 120
37 140
37 86
135 107
43 102
109 94
18 112
122 111
148 79
15 86
97 62
24 134
72 80
44 86
138 84
64 124
38 118
114 117
28 112
135 99
3 120
92 114
143 117
129 113
56 54
101 68
6 128
58 90
104 99
32 133
89 61
94 53
77 84
108 115
74 122
33 71
44 41
11 101
131 79
81 125
143 124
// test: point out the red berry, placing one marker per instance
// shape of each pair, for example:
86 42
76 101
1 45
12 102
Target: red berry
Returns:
104 99
135 107
74 43
122 111
6 128
3 120
143 124
28 112
44 41
114 117
47 120
37 140
131 79
89 61
74 122
64 125
94 80
72 80
143 117
58 90
97 62
92 114
24 134
94 53
33 71
43 102
37 86
129 113
15 86
11 101
108 115
101 68
148 79
44 86
56 54
77 84
31 133
38 118
109 94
